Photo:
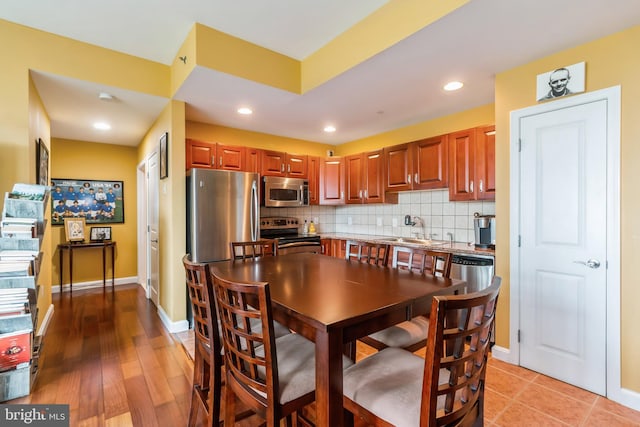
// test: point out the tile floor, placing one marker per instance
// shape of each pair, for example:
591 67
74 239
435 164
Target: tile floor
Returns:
518 397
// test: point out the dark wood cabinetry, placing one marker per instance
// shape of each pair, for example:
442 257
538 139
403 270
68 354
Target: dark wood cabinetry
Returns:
472 164
325 247
418 165
278 163
314 174
332 181
210 155
365 179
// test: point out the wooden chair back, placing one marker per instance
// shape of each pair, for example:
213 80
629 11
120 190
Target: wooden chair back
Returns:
251 250
437 263
207 381
453 385
370 253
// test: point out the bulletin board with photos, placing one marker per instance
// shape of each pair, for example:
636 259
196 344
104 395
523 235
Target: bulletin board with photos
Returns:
97 202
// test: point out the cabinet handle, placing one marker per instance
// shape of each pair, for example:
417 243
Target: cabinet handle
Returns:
409 179
213 161
360 194
366 194
342 195
471 186
220 163
415 177
281 167
481 187
289 168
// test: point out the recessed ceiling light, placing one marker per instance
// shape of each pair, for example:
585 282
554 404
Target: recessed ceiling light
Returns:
105 96
329 128
453 86
245 111
102 125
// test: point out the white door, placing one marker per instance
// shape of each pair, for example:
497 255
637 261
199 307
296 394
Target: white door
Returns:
152 222
563 232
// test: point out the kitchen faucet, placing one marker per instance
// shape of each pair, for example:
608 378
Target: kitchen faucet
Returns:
416 220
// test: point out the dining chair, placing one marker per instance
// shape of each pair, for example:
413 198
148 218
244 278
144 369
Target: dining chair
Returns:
411 334
207 365
250 250
273 377
370 253
394 387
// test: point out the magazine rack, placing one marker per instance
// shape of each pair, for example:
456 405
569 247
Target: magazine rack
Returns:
21 231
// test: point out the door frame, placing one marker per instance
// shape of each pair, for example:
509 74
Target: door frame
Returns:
612 96
142 184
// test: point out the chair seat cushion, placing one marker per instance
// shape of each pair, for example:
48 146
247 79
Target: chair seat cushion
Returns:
404 334
389 384
296 366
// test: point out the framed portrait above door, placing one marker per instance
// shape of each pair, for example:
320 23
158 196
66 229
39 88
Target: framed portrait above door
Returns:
96 202
164 155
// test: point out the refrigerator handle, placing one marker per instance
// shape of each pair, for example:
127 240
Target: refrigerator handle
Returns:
255 212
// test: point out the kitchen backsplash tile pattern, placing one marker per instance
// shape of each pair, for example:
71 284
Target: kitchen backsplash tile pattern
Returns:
435 216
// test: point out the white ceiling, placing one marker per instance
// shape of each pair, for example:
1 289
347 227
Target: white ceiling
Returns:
398 87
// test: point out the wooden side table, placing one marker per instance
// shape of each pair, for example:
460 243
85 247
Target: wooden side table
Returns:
72 246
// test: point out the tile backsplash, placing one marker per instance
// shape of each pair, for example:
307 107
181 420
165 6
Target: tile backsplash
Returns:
439 216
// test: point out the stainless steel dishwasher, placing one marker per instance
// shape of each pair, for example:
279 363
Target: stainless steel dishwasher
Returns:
476 270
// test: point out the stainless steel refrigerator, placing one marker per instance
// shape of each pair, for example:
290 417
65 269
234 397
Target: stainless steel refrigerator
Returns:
222 206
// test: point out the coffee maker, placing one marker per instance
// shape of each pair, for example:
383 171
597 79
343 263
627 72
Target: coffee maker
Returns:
485 231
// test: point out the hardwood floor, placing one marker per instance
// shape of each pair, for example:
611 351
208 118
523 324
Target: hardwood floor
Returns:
107 355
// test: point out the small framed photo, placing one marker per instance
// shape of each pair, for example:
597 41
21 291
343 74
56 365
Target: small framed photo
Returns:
164 147
99 234
42 163
74 229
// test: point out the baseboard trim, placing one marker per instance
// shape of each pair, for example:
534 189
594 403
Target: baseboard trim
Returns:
95 284
171 326
503 354
46 320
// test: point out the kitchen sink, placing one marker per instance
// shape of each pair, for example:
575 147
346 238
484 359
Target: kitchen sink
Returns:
425 242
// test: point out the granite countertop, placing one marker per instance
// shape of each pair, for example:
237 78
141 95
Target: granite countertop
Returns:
453 247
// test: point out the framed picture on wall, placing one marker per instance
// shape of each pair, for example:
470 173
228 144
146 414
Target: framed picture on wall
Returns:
164 147
96 202
42 163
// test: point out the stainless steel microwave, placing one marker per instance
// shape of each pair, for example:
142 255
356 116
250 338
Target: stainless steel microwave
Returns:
284 192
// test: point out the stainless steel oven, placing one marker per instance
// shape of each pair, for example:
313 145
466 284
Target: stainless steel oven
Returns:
285 231
284 192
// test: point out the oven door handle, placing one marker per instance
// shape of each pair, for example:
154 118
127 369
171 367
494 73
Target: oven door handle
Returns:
296 244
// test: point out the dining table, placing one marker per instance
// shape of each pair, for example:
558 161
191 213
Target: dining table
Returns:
333 302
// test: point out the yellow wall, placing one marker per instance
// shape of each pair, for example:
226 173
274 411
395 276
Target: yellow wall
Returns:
464 120
39 128
172 213
231 136
94 161
610 61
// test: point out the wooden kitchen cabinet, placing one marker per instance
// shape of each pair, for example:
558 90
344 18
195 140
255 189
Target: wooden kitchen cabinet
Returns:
253 157
332 181
278 163
314 175
365 179
325 247
417 165
210 155
472 164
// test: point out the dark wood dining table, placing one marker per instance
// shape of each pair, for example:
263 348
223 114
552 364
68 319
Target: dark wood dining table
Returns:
332 302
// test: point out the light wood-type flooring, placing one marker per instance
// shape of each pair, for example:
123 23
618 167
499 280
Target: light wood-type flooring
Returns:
107 355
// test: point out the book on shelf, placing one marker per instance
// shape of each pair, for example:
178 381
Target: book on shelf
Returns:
18 231
17 255
15 349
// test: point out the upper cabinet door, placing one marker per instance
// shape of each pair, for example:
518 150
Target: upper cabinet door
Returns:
431 163
462 147
398 164
332 181
253 159
314 174
486 163
296 165
230 157
200 154
373 178
273 163
354 187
